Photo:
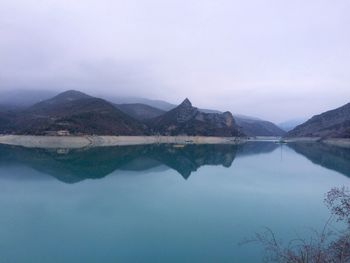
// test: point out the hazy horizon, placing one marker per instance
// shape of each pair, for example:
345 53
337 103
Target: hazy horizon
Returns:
275 60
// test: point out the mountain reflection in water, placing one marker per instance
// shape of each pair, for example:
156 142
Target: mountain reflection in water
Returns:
328 156
71 166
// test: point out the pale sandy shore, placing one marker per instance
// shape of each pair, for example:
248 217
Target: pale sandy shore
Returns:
71 142
97 141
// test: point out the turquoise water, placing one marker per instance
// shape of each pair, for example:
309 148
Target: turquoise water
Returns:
161 203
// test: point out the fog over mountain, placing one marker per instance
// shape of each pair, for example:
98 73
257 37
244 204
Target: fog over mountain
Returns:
276 60
291 124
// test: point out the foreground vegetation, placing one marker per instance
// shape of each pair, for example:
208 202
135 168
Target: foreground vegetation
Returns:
328 246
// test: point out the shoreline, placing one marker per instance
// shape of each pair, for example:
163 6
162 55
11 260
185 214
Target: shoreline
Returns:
338 142
75 142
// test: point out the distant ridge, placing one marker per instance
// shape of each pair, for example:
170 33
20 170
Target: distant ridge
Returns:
257 127
21 98
291 124
139 111
159 104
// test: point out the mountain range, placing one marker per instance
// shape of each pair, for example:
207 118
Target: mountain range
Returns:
250 126
73 111
81 114
19 114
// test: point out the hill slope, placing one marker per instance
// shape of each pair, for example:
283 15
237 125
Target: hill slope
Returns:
331 124
79 114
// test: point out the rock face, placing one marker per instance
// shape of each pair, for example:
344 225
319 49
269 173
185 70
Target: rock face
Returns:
331 124
188 120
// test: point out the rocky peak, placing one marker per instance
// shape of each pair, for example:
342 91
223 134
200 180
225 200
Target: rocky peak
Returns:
186 103
185 111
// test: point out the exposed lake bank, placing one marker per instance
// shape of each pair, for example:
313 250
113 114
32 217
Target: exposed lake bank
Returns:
72 142
340 142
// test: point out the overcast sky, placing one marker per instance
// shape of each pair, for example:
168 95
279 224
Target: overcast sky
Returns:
274 59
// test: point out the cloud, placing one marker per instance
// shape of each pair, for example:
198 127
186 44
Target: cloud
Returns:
253 57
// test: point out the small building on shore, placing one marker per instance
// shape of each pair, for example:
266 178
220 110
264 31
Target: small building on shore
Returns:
58 133
63 133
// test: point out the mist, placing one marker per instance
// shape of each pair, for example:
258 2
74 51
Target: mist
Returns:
276 60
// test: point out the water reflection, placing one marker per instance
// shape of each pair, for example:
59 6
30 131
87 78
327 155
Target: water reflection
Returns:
328 156
71 166
131 216
250 148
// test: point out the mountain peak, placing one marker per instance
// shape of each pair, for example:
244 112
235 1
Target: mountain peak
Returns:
68 96
186 103
62 98
72 95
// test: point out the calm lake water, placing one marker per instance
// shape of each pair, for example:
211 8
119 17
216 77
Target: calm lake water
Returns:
161 203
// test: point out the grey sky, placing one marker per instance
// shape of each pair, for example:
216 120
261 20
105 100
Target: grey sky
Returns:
273 59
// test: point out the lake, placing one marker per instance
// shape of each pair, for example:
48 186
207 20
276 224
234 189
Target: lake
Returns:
162 203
